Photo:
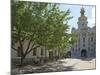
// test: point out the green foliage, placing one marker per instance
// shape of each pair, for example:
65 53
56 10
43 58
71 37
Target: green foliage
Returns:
73 38
43 24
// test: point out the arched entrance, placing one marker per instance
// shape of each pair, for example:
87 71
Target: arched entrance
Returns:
69 54
83 53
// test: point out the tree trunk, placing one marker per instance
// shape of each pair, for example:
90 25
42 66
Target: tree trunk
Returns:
22 60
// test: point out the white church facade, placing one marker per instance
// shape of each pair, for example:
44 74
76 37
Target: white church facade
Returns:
85 45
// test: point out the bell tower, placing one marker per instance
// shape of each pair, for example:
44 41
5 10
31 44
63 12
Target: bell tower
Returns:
82 20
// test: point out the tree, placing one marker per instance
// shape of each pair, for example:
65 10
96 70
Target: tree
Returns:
38 24
73 38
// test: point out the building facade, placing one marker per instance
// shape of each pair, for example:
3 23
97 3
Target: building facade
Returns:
85 45
38 54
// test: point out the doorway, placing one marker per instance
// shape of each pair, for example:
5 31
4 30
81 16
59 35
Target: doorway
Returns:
51 55
84 53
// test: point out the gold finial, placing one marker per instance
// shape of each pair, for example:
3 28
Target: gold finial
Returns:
82 11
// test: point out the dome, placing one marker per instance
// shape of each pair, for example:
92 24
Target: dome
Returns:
82 17
82 11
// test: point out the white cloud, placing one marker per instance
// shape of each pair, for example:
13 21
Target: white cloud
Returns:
91 21
93 12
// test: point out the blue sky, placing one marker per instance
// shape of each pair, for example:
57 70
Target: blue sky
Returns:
75 12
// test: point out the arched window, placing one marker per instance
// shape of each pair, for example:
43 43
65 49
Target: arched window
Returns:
83 45
91 39
83 39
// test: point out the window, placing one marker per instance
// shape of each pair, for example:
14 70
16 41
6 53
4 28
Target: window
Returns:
88 39
92 34
83 39
91 39
78 49
91 49
83 45
72 49
34 52
41 51
91 45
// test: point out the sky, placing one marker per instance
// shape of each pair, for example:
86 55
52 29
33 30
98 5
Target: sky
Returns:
75 12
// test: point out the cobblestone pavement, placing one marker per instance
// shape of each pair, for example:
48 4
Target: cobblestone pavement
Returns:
60 65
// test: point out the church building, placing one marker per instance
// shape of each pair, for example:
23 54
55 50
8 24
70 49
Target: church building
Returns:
85 45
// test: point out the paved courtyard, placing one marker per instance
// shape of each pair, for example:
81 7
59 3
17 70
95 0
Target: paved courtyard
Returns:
68 64
79 64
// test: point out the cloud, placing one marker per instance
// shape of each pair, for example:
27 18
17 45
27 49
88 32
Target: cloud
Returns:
93 12
91 21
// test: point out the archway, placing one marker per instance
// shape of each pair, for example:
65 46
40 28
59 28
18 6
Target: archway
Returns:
83 53
69 54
